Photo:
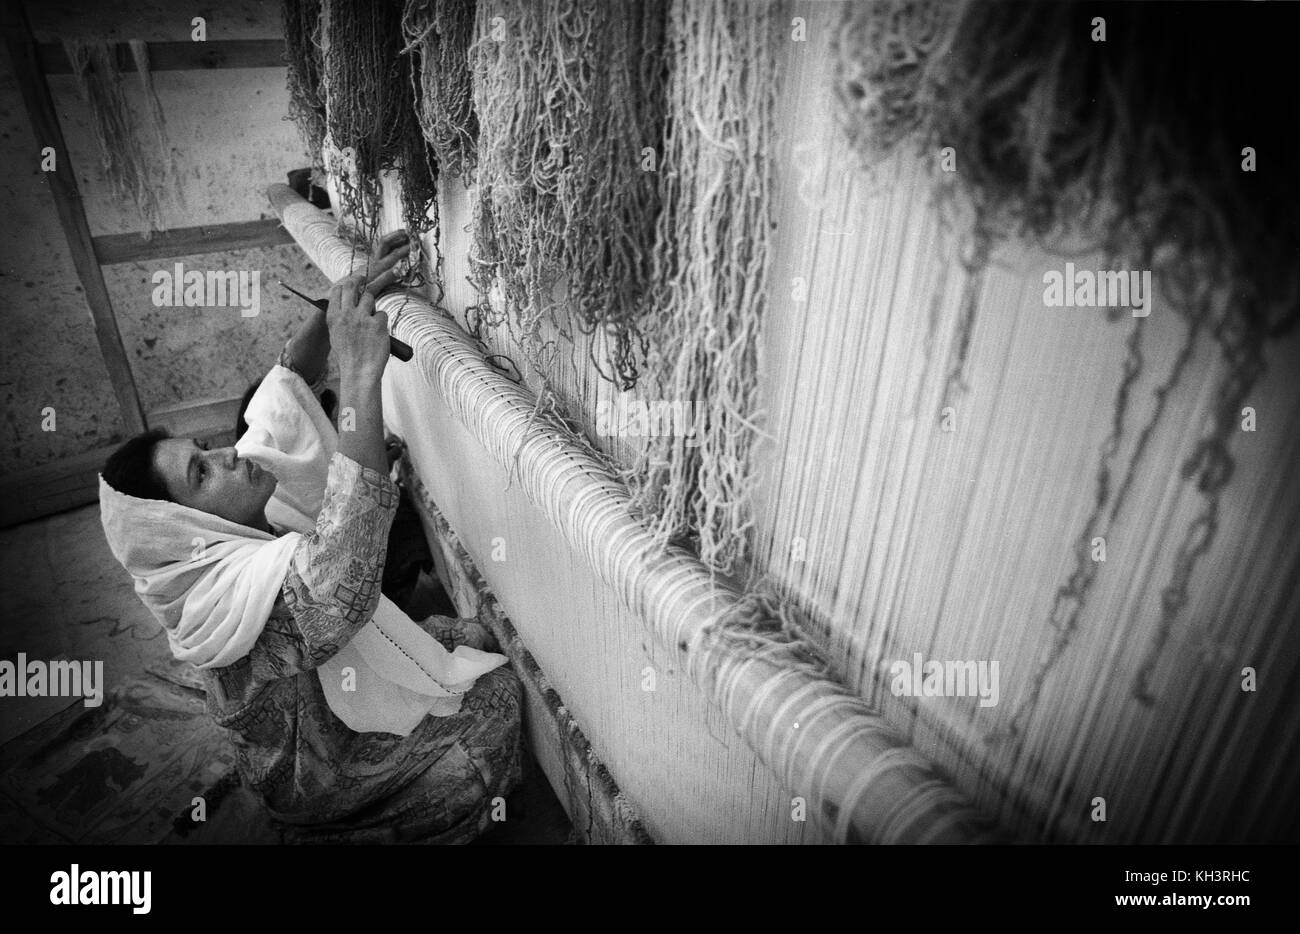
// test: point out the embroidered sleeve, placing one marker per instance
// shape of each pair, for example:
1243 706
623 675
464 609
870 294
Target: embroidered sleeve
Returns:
333 584
286 361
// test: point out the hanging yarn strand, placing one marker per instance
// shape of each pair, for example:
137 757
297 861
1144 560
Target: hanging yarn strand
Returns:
303 56
121 155
140 55
439 32
568 97
614 199
371 106
524 144
711 275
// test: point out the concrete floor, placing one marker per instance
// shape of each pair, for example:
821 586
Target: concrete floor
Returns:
64 596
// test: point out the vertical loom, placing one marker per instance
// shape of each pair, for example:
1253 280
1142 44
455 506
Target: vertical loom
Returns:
927 459
579 553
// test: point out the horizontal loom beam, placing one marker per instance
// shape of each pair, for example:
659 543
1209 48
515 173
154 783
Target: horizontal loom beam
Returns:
111 249
861 780
178 56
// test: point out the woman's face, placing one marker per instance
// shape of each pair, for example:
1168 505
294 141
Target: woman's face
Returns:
219 482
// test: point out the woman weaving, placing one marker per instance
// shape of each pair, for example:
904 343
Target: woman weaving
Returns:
263 564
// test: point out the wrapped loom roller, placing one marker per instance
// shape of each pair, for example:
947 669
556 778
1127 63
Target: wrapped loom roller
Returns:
860 780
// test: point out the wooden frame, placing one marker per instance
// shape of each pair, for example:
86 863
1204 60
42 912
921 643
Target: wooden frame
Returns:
72 214
72 482
51 488
178 56
185 241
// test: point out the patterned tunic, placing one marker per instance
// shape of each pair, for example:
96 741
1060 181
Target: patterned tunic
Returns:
322 781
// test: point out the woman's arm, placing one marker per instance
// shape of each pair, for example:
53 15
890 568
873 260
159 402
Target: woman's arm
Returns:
334 581
333 584
363 354
308 351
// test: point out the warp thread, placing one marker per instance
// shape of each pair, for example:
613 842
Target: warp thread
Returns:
750 656
1059 135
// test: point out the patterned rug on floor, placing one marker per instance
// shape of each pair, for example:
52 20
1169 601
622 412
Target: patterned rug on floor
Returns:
122 772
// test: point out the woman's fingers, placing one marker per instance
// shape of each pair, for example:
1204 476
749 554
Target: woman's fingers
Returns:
390 241
342 295
383 271
348 289
391 259
388 252
382 281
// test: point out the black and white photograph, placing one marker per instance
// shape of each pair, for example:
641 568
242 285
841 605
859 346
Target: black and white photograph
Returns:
698 422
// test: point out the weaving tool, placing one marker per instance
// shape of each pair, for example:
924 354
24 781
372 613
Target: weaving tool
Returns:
399 349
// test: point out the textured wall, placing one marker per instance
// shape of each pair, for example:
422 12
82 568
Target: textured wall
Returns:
182 354
228 139
48 354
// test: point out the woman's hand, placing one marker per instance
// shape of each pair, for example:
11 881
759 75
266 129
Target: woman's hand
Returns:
384 258
358 333
479 636
453 632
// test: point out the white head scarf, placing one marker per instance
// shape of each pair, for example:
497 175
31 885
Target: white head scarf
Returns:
212 583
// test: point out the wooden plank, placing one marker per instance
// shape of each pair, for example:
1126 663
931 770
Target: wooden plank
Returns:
179 56
73 481
51 488
72 215
199 418
186 241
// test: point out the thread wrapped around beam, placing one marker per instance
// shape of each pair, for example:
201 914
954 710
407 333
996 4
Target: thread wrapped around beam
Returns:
861 780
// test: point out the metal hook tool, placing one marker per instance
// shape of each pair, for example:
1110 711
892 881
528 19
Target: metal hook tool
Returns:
399 349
